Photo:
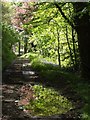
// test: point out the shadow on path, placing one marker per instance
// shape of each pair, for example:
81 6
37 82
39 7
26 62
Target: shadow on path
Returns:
14 77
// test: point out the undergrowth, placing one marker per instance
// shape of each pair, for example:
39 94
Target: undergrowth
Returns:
47 102
53 73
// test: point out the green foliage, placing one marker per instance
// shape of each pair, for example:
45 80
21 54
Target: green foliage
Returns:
7 12
9 37
82 87
42 29
30 56
45 23
55 75
48 102
39 63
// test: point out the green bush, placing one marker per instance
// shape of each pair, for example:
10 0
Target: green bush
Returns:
9 37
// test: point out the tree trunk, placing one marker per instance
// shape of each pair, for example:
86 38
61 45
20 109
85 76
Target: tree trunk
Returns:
25 46
58 50
74 50
19 44
82 26
71 56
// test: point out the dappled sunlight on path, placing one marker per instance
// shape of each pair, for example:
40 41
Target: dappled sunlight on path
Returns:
15 76
20 74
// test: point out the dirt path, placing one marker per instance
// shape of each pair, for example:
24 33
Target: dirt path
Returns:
15 76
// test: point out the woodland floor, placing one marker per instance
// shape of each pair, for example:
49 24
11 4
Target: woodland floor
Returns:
16 76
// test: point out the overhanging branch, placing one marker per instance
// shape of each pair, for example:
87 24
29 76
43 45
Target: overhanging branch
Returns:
63 15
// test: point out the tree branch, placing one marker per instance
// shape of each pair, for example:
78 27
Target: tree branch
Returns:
63 15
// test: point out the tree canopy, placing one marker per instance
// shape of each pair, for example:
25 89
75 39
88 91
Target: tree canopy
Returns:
54 30
48 44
